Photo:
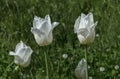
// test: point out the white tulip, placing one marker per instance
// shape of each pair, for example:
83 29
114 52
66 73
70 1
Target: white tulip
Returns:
22 54
80 71
42 30
85 28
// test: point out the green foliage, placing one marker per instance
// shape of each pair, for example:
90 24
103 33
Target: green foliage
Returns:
16 18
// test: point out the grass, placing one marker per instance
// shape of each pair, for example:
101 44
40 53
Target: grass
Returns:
16 18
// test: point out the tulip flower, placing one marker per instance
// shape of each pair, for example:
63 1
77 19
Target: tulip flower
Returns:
80 71
85 28
42 30
22 54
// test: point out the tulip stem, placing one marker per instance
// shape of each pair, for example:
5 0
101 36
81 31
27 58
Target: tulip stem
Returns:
86 62
46 66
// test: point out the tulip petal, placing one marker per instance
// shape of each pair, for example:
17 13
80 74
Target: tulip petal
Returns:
29 50
25 56
47 17
50 37
82 39
18 60
46 28
88 20
76 26
19 46
93 25
12 53
26 63
24 53
91 35
37 22
83 31
83 15
36 31
82 23
91 18
54 24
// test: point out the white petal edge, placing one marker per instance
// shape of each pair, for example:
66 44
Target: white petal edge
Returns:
12 53
47 17
94 25
91 17
54 24
20 45
83 15
76 25
36 31
38 21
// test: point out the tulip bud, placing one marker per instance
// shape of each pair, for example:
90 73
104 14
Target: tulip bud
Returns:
80 71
